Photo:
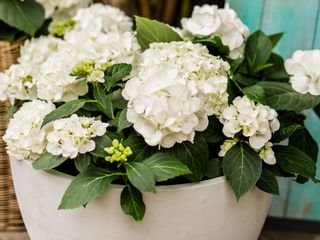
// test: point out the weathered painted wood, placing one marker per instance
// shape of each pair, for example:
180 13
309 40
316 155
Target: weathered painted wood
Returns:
300 22
250 11
296 18
316 40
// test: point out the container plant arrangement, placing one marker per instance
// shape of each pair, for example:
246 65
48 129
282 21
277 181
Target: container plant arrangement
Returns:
188 122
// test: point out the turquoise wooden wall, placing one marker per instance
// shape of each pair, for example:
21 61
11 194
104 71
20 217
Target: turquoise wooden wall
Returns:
300 21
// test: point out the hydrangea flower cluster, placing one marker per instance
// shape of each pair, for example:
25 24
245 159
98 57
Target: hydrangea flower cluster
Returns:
25 138
70 136
176 87
117 152
45 67
58 7
304 66
209 20
257 122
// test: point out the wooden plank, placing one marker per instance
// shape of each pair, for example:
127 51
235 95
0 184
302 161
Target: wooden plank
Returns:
316 40
250 12
304 199
296 18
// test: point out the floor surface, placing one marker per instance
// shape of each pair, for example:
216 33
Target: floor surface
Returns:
266 235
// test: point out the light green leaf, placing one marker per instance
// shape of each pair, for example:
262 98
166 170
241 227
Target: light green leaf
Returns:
82 162
132 202
64 110
255 93
141 177
101 144
165 167
257 50
123 122
27 16
194 155
295 161
149 31
87 186
242 167
48 161
268 182
104 102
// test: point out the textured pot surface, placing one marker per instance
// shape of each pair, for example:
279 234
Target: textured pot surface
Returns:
204 211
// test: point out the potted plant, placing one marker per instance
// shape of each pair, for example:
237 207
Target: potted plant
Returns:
190 123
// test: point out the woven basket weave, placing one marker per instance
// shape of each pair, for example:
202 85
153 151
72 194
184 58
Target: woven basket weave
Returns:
10 218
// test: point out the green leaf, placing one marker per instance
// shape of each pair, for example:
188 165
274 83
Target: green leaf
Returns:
214 168
117 100
141 177
257 50
149 31
244 80
86 187
104 102
26 16
285 132
275 38
165 167
268 182
101 144
194 155
303 140
242 167
255 93
280 96
295 161
277 72
232 89
48 161
235 64
140 150
116 73
64 110
214 44
82 162
132 202
7 33
213 133
123 122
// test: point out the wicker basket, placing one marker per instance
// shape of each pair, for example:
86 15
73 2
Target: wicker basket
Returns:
10 218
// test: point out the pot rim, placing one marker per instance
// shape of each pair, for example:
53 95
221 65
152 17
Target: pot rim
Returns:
203 183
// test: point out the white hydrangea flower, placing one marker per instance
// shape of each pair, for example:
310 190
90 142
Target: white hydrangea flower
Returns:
72 136
53 7
54 82
174 89
304 66
24 137
37 50
255 121
99 18
267 155
17 83
209 20
225 147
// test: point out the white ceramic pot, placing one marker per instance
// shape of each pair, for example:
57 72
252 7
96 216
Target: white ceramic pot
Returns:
203 211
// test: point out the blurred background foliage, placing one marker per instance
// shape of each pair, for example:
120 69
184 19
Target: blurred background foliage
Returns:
168 11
